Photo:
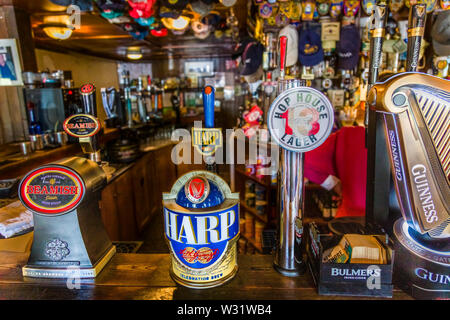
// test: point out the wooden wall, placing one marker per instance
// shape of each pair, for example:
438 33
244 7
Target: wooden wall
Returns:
15 24
101 72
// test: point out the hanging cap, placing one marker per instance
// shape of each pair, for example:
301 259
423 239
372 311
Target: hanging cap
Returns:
252 58
348 47
440 33
292 44
310 50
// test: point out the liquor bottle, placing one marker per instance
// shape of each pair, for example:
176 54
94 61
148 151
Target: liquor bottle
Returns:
34 126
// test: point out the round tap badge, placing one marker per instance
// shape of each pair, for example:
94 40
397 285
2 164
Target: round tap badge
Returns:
81 125
197 189
87 88
51 190
300 119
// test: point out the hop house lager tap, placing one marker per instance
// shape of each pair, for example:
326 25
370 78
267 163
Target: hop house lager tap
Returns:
299 120
201 217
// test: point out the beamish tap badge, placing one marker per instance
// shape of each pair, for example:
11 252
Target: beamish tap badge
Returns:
207 140
300 119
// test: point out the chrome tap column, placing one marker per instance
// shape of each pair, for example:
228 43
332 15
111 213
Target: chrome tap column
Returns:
299 120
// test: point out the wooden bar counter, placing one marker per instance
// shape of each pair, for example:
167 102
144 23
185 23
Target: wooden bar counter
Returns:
146 277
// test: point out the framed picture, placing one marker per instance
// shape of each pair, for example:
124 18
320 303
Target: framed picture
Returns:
199 68
10 66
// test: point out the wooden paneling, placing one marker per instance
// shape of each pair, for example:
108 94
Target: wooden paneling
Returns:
131 201
15 24
165 171
125 207
108 209
141 184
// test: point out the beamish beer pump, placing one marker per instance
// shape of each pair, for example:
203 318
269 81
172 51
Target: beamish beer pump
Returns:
69 237
201 216
299 120
416 111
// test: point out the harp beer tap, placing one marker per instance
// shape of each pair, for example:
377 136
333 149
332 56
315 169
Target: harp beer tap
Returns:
201 216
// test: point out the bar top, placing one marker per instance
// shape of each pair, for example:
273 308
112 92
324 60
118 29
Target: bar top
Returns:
146 277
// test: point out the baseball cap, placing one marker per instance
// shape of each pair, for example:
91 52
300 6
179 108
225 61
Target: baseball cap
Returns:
201 30
142 9
240 47
254 77
110 14
139 34
211 19
348 47
228 3
165 12
159 32
440 33
201 8
292 44
310 50
175 4
145 22
209 1
111 9
111 5
252 58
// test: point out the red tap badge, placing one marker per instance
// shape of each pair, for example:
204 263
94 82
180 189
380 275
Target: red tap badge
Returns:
197 189
51 190
81 125
88 88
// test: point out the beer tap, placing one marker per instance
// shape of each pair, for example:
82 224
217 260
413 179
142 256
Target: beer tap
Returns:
90 144
291 126
140 101
64 198
127 98
208 109
148 96
378 172
416 27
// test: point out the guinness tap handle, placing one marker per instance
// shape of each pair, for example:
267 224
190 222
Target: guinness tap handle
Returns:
282 50
208 106
416 27
377 31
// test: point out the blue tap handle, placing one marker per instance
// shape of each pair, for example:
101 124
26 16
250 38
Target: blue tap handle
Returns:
208 106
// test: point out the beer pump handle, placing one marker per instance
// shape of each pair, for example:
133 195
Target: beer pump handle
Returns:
208 110
282 50
208 106
90 145
378 27
377 31
416 27
88 98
